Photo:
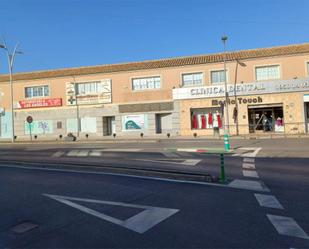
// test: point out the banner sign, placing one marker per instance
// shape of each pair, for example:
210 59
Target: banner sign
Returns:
36 103
255 88
102 94
134 122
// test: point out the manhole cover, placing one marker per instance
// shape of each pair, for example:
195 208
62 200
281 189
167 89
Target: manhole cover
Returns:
24 227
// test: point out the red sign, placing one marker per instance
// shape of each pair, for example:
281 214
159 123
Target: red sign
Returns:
35 103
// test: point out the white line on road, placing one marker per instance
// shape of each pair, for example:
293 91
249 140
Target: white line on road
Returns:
249 160
189 162
82 153
121 150
268 201
287 226
250 173
58 154
253 153
248 166
139 223
248 184
95 153
72 153
169 154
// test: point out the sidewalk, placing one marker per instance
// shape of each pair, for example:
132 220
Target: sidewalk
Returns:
154 139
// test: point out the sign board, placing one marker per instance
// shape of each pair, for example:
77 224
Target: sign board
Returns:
104 96
36 103
255 88
29 119
134 122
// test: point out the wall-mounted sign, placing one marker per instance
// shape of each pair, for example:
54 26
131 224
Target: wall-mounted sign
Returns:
102 94
134 122
36 103
255 88
240 100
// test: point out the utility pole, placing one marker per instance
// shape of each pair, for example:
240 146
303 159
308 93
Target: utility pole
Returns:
10 58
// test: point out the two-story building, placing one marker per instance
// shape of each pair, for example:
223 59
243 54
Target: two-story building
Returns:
268 92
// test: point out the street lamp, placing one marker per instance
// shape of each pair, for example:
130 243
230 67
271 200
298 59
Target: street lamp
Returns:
10 58
235 114
226 112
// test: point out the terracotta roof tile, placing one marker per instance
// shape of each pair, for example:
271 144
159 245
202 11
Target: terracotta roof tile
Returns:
170 62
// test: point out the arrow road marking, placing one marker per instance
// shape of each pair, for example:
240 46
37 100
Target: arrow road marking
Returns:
139 223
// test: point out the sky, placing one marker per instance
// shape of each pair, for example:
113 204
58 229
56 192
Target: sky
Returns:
56 34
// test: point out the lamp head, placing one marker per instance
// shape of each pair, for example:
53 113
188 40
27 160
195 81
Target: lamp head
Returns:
2 46
224 38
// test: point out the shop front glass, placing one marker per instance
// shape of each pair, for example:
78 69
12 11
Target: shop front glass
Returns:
266 119
207 118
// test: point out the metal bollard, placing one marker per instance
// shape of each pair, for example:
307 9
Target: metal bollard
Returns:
222 172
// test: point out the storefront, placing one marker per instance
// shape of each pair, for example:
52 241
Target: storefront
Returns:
261 107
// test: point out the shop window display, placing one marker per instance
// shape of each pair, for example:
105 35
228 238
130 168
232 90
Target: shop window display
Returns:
269 119
206 118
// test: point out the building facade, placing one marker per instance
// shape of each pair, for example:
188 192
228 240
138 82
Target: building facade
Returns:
268 92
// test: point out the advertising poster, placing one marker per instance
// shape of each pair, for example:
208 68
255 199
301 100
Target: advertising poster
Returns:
134 122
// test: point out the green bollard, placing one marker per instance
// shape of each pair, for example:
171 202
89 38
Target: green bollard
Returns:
222 172
226 142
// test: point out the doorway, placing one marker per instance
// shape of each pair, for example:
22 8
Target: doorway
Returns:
109 126
163 122
267 119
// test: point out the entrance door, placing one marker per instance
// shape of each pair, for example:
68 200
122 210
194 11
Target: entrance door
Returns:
307 116
158 123
109 126
265 119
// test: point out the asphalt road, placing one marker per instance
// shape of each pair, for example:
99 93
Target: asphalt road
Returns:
44 205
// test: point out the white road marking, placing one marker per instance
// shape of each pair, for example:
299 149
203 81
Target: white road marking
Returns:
268 201
249 160
254 152
250 173
186 150
72 153
169 154
95 153
139 223
287 226
248 184
122 150
82 153
248 166
58 154
189 162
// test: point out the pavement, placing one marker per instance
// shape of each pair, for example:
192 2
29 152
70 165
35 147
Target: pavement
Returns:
151 195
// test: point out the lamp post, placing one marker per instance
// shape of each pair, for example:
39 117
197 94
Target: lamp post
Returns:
226 112
242 64
10 58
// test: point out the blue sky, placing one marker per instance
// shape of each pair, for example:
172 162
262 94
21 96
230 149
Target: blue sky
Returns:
71 33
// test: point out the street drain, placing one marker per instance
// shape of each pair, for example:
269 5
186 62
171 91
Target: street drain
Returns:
24 227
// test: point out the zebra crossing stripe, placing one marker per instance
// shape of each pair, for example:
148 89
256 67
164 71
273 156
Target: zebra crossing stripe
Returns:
268 201
287 226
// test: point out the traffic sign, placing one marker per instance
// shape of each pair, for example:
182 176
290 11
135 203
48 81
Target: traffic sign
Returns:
29 119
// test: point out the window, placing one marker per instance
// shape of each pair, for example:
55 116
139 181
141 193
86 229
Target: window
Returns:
146 83
217 76
192 79
267 73
36 91
94 87
59 125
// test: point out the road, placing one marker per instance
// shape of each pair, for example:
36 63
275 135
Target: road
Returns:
66 197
